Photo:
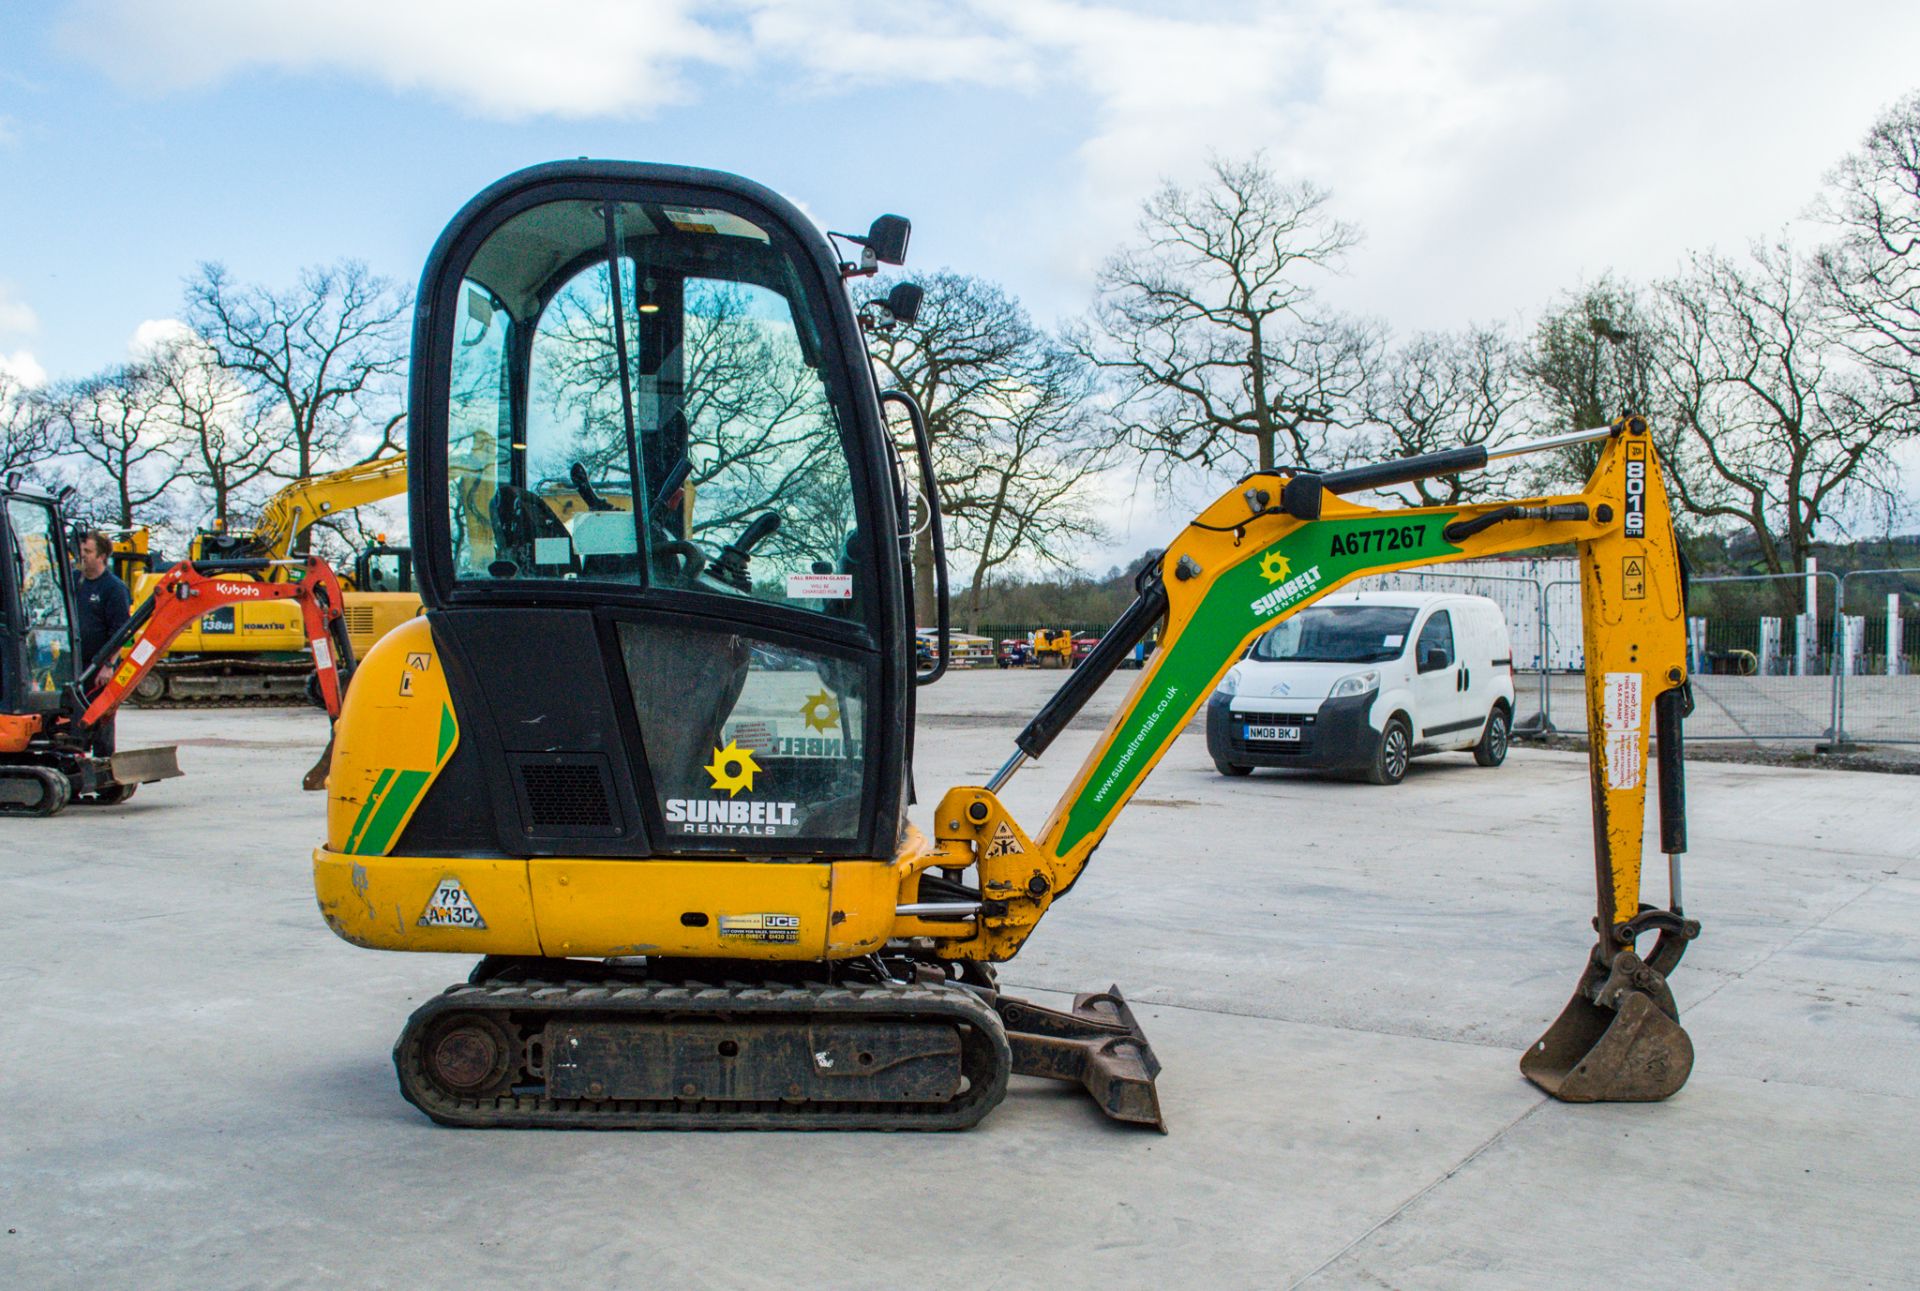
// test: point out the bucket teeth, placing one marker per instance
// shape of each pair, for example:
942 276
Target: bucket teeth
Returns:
1619 1040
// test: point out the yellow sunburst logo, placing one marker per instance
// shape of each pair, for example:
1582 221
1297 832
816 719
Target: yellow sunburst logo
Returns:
1274 567
733 769
820 712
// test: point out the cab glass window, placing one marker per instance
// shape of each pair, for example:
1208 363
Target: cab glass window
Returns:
43 600
1435 648
639 396
754 747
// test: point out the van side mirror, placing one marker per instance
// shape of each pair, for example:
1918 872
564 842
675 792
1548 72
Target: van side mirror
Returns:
1433 659
887 238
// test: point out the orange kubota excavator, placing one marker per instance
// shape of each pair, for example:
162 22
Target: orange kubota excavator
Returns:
52 702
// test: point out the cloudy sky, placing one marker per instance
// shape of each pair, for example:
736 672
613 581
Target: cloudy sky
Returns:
1495 152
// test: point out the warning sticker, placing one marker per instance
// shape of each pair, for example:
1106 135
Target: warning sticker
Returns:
1622 701
825 587
1622 711
406 683
1623 759
1633 578
451 907
419 661
760 927
1004 843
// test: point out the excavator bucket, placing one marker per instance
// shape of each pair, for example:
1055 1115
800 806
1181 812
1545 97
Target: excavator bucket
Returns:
1099 1044
1619 1039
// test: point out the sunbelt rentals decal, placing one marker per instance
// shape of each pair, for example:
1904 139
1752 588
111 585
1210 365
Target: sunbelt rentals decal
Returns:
732 772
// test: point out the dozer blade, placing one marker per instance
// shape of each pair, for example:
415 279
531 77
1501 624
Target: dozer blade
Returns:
1619 1040
144 766
1098 1044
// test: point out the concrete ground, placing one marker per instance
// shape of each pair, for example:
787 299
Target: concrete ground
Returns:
1338 978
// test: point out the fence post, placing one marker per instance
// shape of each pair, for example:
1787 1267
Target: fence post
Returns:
1837 731
1894 642
1540 658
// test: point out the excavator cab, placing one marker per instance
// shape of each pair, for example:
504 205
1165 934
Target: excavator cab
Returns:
645 436
38 638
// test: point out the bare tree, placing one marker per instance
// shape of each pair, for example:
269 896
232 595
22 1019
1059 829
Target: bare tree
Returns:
114 424
1780 431
1591 362
1210 331
321 355
223 435
26 430
1014 442
1445 390
1871 272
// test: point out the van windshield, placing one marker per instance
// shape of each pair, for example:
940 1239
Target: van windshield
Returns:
1337 634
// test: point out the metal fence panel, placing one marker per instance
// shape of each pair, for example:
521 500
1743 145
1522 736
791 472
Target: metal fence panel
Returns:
1773 657
1760 649
1879 649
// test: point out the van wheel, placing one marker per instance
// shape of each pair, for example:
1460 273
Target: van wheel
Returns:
1394 752
1231 768
1491 751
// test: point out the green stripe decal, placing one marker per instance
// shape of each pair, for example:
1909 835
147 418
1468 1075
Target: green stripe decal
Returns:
1251 595
447 731
366 810
407 786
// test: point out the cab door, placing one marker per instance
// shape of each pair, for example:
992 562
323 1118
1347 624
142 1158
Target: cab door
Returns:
37 650
653 523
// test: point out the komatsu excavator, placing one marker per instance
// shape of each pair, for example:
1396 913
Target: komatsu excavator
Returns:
653 763
52 701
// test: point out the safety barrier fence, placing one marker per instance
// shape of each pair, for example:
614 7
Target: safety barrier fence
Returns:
1819 657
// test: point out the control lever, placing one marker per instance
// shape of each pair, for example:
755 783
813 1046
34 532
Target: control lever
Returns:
584 487
731 567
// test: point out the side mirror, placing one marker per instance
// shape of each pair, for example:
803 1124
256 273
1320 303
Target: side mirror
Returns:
887 238
1433 659
903 302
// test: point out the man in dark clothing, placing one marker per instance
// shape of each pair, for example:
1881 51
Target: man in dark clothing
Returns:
104 605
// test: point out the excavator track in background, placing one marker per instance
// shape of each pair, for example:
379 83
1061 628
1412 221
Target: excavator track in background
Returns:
225 683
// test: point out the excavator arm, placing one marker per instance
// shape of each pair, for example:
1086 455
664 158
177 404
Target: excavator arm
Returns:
1276 544
183 594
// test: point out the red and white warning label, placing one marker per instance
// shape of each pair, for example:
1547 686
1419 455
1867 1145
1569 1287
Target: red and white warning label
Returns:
1622 713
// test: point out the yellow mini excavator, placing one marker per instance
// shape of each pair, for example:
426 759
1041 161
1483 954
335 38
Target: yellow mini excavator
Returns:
653 762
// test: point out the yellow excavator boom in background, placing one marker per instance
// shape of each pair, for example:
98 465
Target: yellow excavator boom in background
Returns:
257 652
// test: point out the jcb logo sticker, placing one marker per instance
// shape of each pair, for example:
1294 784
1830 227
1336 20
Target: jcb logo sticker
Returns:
1636 524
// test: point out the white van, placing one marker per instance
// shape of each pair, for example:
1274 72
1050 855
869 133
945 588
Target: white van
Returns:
1367 681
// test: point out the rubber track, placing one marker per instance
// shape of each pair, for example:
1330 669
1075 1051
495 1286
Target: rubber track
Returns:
525 1008
230 668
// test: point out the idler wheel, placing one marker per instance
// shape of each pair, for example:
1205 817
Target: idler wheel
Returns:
468 1055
